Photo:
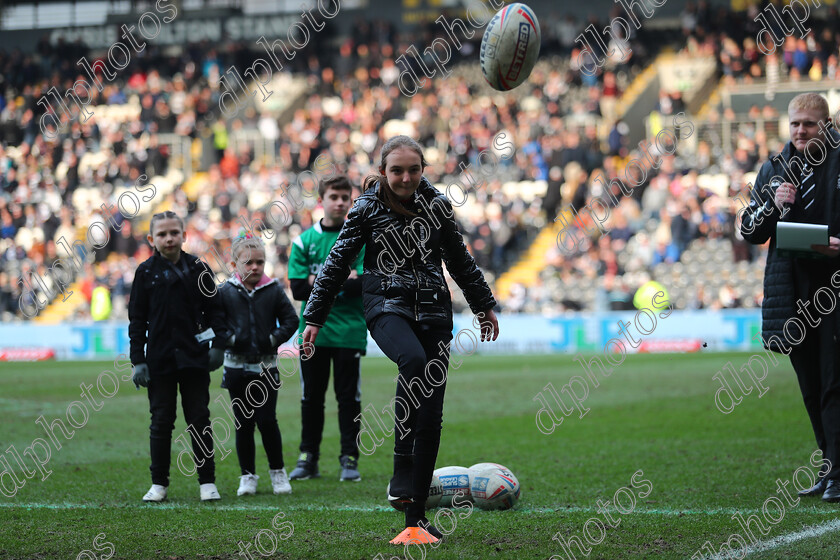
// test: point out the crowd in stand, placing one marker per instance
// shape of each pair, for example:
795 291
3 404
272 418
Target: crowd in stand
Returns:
670 209
731 37
554 123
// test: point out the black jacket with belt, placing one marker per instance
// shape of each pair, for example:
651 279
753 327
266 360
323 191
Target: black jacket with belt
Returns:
758 224
253 318
403 271
165 314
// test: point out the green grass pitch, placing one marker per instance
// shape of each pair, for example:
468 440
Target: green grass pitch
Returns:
654 413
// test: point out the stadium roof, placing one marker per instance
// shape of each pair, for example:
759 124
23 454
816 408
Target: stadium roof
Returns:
40 14
134 4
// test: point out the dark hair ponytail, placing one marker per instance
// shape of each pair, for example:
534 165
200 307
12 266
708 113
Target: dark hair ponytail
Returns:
386 195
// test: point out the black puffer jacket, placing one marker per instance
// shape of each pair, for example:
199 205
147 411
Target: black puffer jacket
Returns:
402 270
758 224
253 318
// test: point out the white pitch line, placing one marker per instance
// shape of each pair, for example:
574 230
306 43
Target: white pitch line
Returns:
781 540
371 509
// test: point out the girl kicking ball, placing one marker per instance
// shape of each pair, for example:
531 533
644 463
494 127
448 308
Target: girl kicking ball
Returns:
408 229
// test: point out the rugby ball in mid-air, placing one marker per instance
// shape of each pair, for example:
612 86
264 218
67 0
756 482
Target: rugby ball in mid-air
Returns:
510 47
453 480
493 486
435 491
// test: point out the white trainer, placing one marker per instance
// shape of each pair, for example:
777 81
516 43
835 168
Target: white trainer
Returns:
280 481
247 484
156 493
209 492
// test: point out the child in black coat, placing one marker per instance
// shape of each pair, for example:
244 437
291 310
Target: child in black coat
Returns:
173 316
253 304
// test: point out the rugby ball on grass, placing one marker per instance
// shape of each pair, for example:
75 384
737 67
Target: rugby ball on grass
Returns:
493 486
488 466
510 47
453 480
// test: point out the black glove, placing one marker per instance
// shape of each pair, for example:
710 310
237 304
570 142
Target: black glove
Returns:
216 358
274 338
141 376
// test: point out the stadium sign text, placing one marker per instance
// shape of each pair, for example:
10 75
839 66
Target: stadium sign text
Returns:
186 31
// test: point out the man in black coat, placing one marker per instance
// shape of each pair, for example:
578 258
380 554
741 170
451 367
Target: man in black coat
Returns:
801 185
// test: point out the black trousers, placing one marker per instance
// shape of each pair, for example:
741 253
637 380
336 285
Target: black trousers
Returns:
254 403
421 386
816 361
194 385
314 379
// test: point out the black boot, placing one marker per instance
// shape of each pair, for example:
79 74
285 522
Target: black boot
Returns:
424 467
401 483
832 490
815 490
414 517
432 530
